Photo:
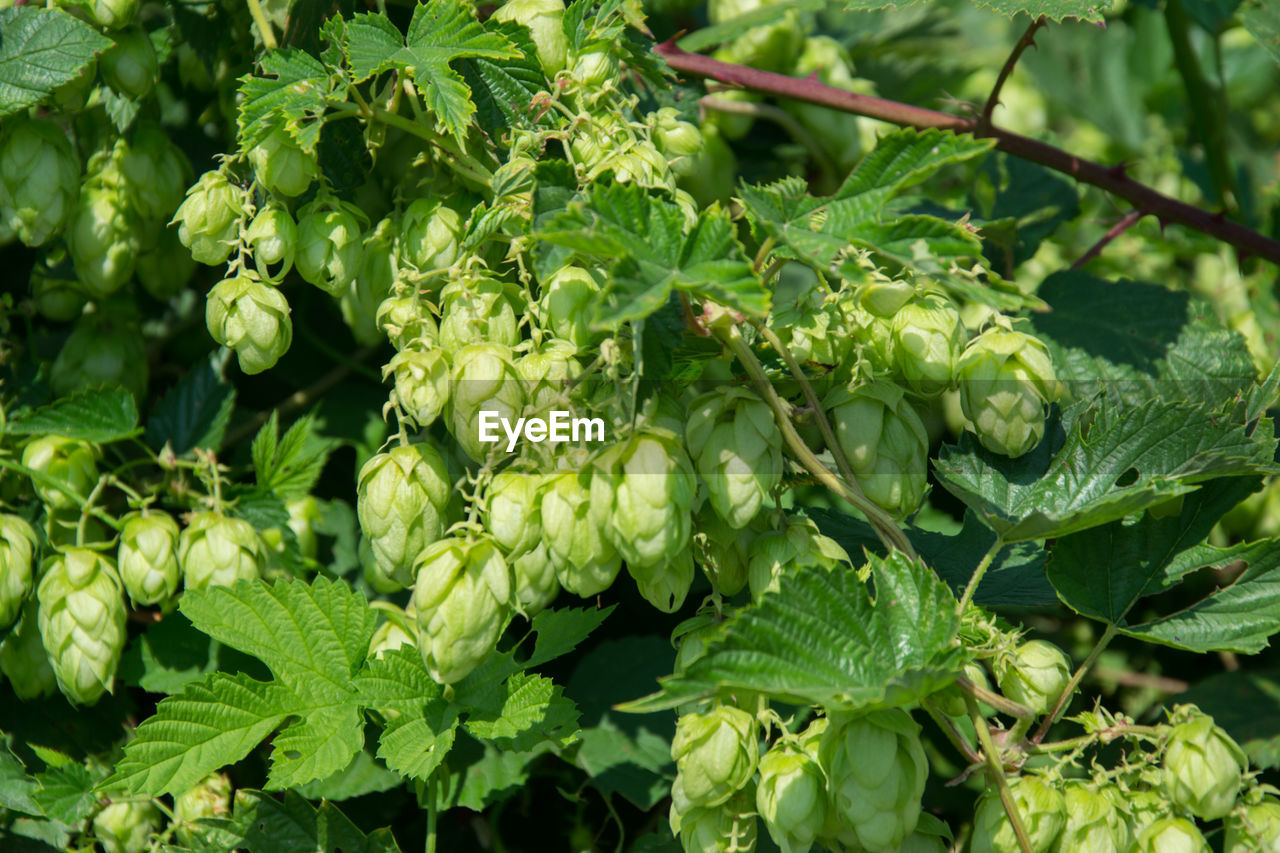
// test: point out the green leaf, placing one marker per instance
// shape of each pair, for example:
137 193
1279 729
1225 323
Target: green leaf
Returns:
66 793
294 95
268 825
40 50
194 413
533 711
822 639
99 416
362 776
1135 341
1247 704
1262 19
1054 10
503 91
638 767
441 32
496 774
817 230
415 746
1030 202
1095 467
422 725
17 789
560 631
290 466
650 250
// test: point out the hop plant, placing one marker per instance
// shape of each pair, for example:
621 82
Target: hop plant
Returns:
462 597
715 754
566 302
1093 823
164 270
148 557
281 165
17 547
737 450
666 586
1034 674
430 234
421 373
722 552
39 179
104 236
396 629
67 461
1202 767
1041 808
54 288
642 492
251 318
1170 835
401 501
112 14
484 380
1253 827
23 659
727 828
885 297
796 547
130 65
157 173
210 798
330 244
214 550
876 771
476 310
126 827
405 320
1006 379
105 349
927 340
82 622
585 560
512 511
791 797
885 442
544 19
595 68
271 237
373 284
209 218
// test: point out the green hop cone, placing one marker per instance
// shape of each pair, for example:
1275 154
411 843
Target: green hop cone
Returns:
1034 674
722 552
130 66
421 374
430 232
478 309
927 340
642 494
791 797
251 318
82 622
112 14
1139 808
666 586
675 138
209 218
1202 768
148 557
727 828
126 827
104 349
1094 824
885 442
885 297
39 179
1006 379
282 166
544 18
1170 835
462 598
1253 827
23 660
271 237
157 173
797 547
68 461
210 798
546 374
512 511
486 389
373 284
950 700
105 233
737 450
330 244
536 582
586 562
872 339
715 754
401 501
876 770
17 548
1041 808
215 550
396 629
405 320
567 301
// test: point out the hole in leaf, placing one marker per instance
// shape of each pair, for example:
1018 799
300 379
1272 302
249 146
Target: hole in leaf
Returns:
1128 478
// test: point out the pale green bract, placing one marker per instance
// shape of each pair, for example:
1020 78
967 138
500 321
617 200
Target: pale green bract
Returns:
401 501
461 599
217 550
82 622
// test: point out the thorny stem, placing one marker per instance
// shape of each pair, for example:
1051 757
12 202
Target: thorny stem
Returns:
1028 40
264 26
1111 179
995 769
983 565
1126 222
1076 678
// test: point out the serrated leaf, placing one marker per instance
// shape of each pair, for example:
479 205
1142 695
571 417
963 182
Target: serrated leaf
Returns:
100 415
1054 10
638 767
316 746
293 94
822 639
441 32
533 711
289 465
295 826
415 746
396 681
421 725
503 91
194 413
17 789
361 777
40 50
560 631
1247 704
1262 19
495 775
651 250
66 793
1101 468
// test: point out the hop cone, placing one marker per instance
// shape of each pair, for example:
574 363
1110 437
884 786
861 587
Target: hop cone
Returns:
1093 823
282 166
927 339
737 450
211 798
1041 808
68 461
157 173
421 374
585 560
111 14
148 557
330 244
545 374
130 65
373 284
104 235
1254 827
126 827
82 622
272 236
17 547
512 511
781 552
484 379
667 585
1202 769
791 797
567 301
1170 835
885 442
104 349
209 218
401 501
39 179
1034 674
396 629
215 550
462 597
23 659
429 234
722 552
1006 378
876 771
544 20
406 320
715 754
476 310
251 318
727 828
164 270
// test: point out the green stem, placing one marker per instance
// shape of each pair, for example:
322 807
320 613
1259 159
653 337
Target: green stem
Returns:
466 166
983 565
85 510
1203 100
45 480
952 733
1002 704
995 769
264 26
431 814
1067 692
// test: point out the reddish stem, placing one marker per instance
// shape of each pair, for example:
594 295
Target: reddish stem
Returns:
1028 40
1125 223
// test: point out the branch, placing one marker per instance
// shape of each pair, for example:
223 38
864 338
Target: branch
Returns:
1028 40
1112 179
1125 223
